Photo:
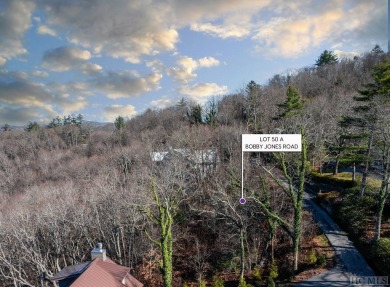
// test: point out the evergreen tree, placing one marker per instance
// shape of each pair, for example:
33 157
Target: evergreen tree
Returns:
375 119
293 170
195 114
32 127
6 127
119 123
253 106
369 107
211 112
377 50
293 104
55 122
326 58
78 121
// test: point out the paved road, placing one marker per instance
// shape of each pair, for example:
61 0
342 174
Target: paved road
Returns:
349 260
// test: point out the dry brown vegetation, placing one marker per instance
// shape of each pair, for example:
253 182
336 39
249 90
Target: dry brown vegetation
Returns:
65 188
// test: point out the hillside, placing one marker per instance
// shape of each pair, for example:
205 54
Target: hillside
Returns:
63 189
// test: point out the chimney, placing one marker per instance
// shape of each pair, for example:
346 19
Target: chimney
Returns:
98 252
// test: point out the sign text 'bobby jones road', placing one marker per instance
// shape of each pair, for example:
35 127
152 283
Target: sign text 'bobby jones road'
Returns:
272 142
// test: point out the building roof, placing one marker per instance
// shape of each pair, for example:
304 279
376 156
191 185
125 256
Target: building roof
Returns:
98 273
70 271
196 156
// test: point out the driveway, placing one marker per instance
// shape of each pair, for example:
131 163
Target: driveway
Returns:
349 260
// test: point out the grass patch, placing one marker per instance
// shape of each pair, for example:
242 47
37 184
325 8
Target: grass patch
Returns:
344 180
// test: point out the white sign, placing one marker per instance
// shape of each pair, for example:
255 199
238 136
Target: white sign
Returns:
272 142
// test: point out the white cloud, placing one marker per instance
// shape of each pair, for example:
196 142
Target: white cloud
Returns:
161 103
126 84
132 29
112 112
185 67
121 29
156 66
39 102
64 58
91 69
45 30
201 92
72 105
41 74
208 62
345 55
15 20
222 31
20 115
3 61
306 25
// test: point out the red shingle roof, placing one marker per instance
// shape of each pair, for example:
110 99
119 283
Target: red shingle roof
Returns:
104 274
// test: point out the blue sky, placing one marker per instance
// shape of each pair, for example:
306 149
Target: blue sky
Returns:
107 58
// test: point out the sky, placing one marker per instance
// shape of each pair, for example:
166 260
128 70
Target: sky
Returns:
105 58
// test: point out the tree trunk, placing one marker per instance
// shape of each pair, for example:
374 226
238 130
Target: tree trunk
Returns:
336 166
166 250
354 172
297 235
242 253
297 232
365 173
384 192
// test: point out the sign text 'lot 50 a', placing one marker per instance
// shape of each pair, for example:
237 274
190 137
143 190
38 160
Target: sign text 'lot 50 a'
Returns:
271 142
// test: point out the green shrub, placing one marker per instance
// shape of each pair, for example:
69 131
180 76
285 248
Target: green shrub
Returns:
312 257
217 281
355 211
336 181
185 284
381 250
242 283
273 272
257 277
321 260
271 282
202 283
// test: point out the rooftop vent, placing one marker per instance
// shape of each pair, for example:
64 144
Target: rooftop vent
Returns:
98 252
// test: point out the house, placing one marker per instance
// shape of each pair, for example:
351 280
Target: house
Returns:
101 271
203 161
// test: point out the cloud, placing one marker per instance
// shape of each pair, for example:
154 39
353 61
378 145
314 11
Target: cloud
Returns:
200 92
9 76
222 31
156 66
185 67
65 58
345 55
121 29
91 69
161 103
41 74
24 93
45 30
19 115
38 102
126 84
112 112
131 30
71 105
3 61
15 20
306 25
